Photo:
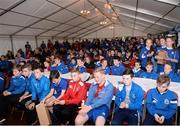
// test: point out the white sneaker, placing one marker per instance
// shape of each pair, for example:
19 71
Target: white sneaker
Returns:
2 120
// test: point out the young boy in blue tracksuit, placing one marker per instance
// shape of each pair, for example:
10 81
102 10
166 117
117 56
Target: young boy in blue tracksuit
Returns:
59 86
104 65
128 101
27 72
1 82
137 69
161 103
72 63
40 89
99 99
80 65
150 74
173 54
58 65
160 67
118 67
11 95
146 53
170 73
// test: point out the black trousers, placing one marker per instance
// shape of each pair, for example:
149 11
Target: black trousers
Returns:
6 103
125 114
150 120
21 105
64 113
32 114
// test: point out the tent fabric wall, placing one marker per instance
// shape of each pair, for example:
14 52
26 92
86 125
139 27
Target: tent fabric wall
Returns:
5 44
20 43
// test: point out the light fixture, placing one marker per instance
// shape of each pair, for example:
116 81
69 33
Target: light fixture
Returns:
103 22
85 12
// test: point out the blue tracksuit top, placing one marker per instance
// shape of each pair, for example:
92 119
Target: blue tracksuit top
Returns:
163 104
1 82
17 85
107 71
173 76
70 65
62 68
151 75
98 64
118 70
104 97
173 55
143 56
40 88
136 97
29 83
82 69
137 73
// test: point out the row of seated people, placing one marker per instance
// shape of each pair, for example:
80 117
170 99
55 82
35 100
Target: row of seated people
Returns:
117 69
66 98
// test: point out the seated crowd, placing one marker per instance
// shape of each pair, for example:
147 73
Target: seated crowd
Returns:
74 101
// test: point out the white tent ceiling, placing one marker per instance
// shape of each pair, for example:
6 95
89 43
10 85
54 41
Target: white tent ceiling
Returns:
62 18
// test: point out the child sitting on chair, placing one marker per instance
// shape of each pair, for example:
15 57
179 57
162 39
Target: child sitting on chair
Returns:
161 103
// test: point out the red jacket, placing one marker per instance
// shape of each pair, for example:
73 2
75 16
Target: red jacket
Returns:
75 93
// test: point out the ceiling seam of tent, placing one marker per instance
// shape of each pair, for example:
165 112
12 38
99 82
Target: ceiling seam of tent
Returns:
161 17
115 12
146 13
41 19
75 25
72 11
12 7
137 3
